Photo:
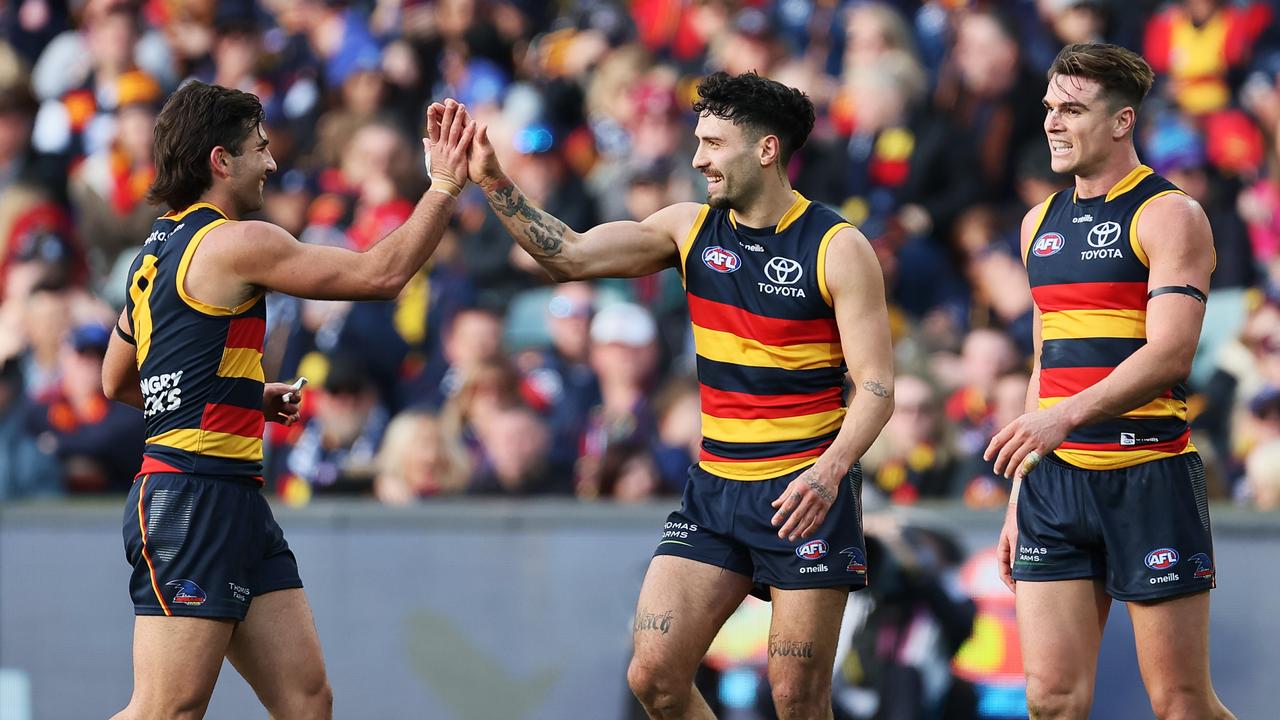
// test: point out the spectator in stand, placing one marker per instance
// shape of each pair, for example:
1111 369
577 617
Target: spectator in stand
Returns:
26 471
1262 478
912 458
986 355
517 459
109 188
334 451
97 442
624 356
679 441
558 381
419 459
994 98
1199 45
472 339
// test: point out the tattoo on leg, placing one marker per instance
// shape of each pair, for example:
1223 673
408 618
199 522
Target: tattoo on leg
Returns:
875 388
544 231
821 489
652 621
789 648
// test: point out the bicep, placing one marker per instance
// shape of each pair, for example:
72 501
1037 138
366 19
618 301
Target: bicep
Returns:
1178 243
856 283
633 249
275 260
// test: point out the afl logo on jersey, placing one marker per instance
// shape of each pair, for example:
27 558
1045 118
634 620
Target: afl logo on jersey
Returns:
721 260
1048 244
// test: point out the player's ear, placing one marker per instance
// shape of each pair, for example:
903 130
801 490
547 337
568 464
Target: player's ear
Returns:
220 161
769 149
1124 122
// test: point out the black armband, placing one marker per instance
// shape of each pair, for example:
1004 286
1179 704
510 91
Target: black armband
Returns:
1189 290
125 336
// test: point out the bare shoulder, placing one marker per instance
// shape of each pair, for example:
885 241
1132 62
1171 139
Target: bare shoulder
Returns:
854 261
1174 221
676 220
1030 221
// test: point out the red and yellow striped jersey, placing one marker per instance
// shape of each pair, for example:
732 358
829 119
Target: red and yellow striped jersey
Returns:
1089 277
200 365
770 364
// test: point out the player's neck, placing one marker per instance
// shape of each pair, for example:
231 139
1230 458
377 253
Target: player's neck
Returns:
221 198
768 209
1100 182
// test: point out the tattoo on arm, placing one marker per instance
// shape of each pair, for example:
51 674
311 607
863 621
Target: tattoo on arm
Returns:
821 489
541 230
875 388
789 648
653 621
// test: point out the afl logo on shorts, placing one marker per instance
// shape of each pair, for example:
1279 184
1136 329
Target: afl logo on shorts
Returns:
813 550
1162 559
1048 244
721 260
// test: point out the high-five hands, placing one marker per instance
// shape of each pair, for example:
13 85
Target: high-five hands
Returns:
447 147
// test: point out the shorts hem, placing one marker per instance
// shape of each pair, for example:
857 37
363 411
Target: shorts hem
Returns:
237 615
853 585
286 585
1169 594
1055 577
705 561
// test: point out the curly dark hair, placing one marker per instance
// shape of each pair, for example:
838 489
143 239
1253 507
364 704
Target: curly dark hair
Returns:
196 119
762 105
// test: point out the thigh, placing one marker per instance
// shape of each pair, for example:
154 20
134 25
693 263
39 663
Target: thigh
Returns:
277 649
191 542
1057 536
176 661
803 635
1060 628
682 605
834 556
1172 637
1155 520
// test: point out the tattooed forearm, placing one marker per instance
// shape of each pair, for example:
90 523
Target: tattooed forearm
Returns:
789 648
542 231
652 621
822 491
875 388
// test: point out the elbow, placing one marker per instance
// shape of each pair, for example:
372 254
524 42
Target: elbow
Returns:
386 286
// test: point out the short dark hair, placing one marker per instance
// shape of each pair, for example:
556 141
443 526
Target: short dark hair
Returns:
196 119
1124 76
761 104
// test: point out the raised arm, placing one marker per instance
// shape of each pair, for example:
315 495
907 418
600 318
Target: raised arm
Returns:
856 284
617 249
266 256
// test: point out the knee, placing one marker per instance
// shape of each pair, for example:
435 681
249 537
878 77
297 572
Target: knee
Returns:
658 689
800 698
1185 703
310 701
1057 699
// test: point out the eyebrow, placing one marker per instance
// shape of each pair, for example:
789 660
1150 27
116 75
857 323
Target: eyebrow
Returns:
1068 104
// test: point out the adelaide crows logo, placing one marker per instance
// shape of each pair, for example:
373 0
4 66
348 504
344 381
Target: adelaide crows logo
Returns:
188 593
1204 566
857 561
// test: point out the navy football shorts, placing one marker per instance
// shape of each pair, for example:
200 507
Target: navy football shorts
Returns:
1142 530
726 523
203 546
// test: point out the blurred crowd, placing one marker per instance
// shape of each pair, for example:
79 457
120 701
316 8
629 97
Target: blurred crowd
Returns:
483 378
